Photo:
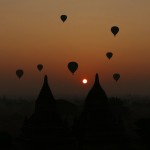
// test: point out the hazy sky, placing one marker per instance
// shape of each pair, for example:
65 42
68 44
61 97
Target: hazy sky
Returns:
31 32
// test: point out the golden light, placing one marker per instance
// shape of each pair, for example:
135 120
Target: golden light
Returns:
84 81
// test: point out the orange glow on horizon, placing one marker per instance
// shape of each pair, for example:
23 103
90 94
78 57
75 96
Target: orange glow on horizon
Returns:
31 32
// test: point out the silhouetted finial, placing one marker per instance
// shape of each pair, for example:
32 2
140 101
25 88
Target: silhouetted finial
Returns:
96 80
45 78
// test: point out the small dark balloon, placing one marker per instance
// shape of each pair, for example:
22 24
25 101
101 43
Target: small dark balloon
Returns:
72 66
40 67
114 30
109 55
19 73
116 76
63 18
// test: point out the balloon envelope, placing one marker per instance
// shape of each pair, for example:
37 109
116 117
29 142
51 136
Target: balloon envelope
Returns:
109 54
63 18
114 30
40 67
116 76
72 66
19 73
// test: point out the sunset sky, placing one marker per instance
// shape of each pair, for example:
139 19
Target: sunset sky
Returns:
31 32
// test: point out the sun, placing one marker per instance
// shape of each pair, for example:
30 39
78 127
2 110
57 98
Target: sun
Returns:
84 81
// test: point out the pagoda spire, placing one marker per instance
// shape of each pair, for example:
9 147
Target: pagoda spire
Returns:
96 97
45 100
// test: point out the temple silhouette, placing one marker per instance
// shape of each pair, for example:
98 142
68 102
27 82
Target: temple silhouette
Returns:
45 129
96 127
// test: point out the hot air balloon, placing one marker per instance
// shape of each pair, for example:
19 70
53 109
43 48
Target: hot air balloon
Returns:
114 30
63 18
109 54
40 67
19 73
116 76
72 66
